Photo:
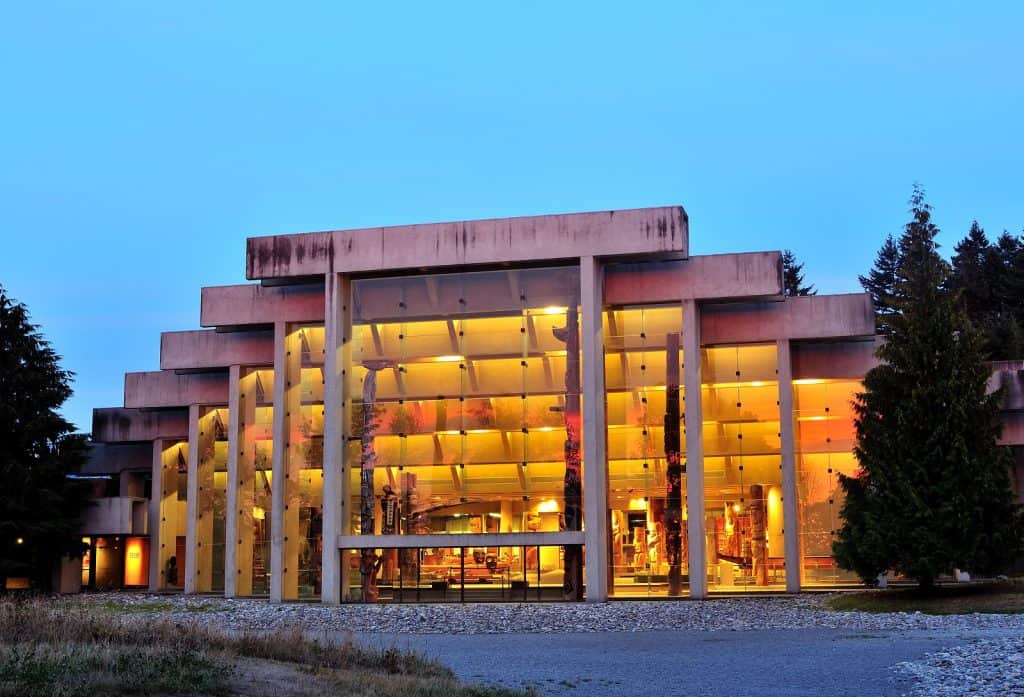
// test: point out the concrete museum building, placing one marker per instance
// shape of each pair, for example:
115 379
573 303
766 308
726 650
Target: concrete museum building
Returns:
539 408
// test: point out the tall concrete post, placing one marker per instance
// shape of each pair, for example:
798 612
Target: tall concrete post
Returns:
231 503
790 512
337 359
278 463
694 450
595 459
192 489
155 500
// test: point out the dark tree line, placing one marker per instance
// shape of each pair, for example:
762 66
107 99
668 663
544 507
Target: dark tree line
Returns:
986 278
40 506
933 492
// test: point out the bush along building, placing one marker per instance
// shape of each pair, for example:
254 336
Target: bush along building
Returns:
527 409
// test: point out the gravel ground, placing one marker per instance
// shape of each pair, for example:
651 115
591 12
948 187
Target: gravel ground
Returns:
732 646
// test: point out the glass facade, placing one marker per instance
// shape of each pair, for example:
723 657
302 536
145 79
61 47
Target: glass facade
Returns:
464 401
255 450
646 476
172 522
211 498
825 437
742 468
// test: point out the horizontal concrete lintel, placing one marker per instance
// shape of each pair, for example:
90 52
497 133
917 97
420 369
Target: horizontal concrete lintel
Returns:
207 348
164 388
252 303
825 317
638 231
120 425
511 539
714 277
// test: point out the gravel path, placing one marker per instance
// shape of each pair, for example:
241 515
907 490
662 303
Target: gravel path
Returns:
734 646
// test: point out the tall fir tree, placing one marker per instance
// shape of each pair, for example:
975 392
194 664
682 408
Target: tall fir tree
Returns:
933 491
40 506
793 276
881 284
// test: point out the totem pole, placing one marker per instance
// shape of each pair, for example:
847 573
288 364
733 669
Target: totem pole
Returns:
369 562
674 470
758 535
572 585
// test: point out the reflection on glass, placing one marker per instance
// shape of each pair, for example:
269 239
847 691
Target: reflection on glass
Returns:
647 481
825 437
211 493
742 468
255 449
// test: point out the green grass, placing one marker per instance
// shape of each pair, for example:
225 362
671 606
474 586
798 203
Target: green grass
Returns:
71 649
151 606
959 599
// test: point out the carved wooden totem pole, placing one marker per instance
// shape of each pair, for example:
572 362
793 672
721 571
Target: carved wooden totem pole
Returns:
674 470
369 562
572 585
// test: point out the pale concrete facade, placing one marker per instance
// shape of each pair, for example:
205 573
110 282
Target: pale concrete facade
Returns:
262 412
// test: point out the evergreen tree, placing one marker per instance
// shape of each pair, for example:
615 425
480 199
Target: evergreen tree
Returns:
39 506
933 492
793 276
972 271
881 284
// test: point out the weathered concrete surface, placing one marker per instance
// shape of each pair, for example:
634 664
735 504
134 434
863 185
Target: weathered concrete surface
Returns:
116 515
234 306
114 458
158 389
1013 428
211 349
842 359
749 276
810 317
119 425
500 240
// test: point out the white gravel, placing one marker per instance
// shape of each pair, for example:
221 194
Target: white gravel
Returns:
792 612
986 656
985 667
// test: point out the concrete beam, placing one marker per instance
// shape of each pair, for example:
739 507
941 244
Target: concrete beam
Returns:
231 306
159 389
715 277
114 458
830 317
841 359
511 539
1013 428
504 240
210 349
595 429
113 515
692 420
119 425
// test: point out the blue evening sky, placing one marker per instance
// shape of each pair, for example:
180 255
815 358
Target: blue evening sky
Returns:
141 143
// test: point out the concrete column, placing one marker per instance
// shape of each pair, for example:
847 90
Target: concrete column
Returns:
231 503
693 419
337 359
595 458
790 512
278 463
192 496
156 556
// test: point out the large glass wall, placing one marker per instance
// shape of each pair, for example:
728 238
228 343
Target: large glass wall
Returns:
647 483
173 494
742 468
466 412
825 438
255 449
304 474
211 498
